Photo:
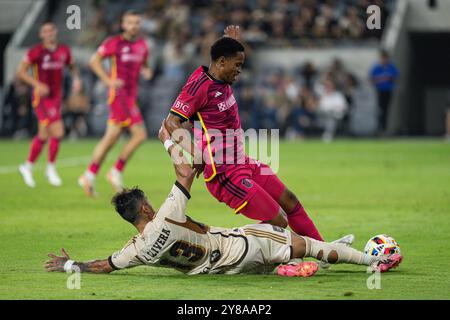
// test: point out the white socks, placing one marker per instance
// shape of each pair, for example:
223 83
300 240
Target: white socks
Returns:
90 176
29 165
327 251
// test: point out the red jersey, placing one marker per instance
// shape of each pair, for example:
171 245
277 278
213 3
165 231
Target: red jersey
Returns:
48 67
212 102
127 58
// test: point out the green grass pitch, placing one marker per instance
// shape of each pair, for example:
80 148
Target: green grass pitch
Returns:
398 187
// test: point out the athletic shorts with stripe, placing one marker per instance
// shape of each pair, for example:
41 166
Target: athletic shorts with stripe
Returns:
124 112
267 246
48 111
251 189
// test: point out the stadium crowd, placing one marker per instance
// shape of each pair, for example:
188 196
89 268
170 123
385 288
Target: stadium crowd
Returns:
299 101
267 22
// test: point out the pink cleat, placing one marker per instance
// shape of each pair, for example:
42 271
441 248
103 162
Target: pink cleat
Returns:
303 269
388 263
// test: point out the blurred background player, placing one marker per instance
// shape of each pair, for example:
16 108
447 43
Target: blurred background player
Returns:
47 61
128 53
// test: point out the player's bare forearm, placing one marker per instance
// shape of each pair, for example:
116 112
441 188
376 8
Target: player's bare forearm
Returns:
180 135
97 68
56 264
185 175
183 138
74 70
146 71
22 74
183 171
96 266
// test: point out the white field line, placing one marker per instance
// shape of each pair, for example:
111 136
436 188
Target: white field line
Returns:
63 163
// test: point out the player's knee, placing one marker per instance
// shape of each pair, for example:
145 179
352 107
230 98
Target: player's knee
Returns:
140 136
42 137
58 135
143 136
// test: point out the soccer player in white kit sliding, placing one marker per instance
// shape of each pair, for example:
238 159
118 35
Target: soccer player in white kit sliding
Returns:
168 238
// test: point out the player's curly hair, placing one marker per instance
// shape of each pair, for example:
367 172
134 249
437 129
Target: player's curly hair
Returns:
128 202
225 47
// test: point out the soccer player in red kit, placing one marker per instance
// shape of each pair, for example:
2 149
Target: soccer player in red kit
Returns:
243 184
128 55
47 61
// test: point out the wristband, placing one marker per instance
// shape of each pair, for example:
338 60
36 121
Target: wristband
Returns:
167 144
68 265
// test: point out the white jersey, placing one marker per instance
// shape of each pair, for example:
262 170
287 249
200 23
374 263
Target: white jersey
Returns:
173 240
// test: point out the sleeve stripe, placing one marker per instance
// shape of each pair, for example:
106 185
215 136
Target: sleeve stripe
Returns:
197 87
183 189
196 84
112 264
178 114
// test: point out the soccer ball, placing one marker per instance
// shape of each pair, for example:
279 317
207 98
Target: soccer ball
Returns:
381 245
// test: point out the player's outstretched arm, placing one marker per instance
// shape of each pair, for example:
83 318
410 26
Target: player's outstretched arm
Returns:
185 174
62 264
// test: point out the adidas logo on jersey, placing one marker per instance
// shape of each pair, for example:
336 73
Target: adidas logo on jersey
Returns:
218 94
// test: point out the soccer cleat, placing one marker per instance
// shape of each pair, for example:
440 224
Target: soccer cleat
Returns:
114 177
388 263
303 269
88 185
52 176
346 241
27 175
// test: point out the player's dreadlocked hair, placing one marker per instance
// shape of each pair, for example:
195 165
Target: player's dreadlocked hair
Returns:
225 47
127 203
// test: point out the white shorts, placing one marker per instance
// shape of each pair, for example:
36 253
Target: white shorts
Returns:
266 247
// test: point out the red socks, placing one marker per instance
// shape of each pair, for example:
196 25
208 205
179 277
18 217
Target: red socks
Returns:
93 168
300 222
53 147
120 164
35 149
